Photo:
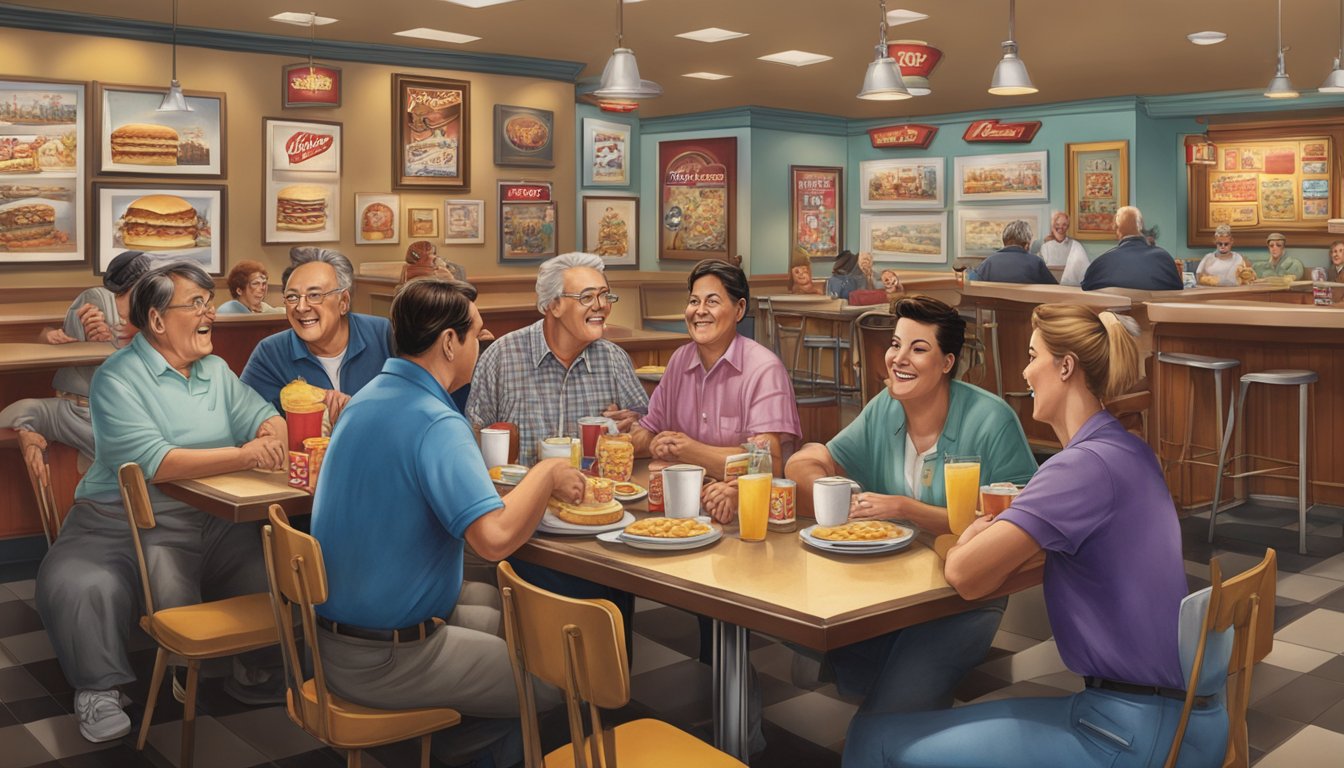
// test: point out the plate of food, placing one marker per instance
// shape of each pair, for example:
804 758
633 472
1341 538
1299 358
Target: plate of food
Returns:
630 492
666 533
508 474
579 522
859 537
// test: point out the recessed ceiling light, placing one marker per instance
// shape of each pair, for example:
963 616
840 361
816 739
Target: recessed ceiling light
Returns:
902 16
1206 38
478 3
795 58
302 19
438 35
712 35
707 75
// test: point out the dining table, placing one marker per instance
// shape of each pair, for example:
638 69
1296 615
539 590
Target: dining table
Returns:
241 497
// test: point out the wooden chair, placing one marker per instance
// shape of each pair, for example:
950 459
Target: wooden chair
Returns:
579 647
873 330
1232 620
299 578
42 492
194 632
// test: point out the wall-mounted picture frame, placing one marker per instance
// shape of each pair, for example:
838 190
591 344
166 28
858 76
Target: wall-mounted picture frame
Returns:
990 178
463 222
611 229
135 139
43 135
906 184
528 219
431 137
170 222
904 237
980 229
1098 185
697 199
816 211
301 180
377 218
524 137
606 153
306 84
422 223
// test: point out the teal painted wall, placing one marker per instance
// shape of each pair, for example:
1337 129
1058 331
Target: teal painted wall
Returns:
772 153
582 111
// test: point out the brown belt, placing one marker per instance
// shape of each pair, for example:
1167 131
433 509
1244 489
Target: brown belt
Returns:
405 634
79 400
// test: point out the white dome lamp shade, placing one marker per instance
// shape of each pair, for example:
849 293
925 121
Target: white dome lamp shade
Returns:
1010 75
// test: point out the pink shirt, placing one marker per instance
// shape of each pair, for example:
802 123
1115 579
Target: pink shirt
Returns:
746 393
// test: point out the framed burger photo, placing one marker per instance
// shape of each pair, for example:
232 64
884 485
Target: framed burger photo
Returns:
168 222
301 181
376 219
134 138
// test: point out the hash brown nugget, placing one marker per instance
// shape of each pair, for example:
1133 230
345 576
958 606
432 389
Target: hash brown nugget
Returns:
667 528
860 530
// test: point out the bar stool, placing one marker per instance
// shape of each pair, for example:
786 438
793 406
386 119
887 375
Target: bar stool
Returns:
1216 365
1283 378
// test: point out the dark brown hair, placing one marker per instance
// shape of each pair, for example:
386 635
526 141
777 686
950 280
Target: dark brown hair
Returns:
426 307
733 278
951 327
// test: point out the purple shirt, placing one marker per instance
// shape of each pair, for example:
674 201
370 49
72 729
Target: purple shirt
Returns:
747 392
1114 578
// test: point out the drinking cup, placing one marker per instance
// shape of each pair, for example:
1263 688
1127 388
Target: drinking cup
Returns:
681 490
495 447
961 479
302 425
753 506
830 500
996 498
555 448
590 427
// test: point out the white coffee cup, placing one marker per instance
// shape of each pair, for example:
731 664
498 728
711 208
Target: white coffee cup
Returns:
495 447
681 490
830 500
556 448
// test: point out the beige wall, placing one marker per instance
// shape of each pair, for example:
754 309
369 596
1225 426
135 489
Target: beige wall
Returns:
251 83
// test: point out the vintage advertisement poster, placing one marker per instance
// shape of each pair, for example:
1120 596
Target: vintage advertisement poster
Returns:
42 170
606 153
527 221
1234 214
1315 149
1002 177
815 213
1271 180
302 181
1278 201
135 138
463 221
610 229
1232 187
980 230
898 184
1281 160
430 140
1315 209
697 199
905 237
1098 184
1231 159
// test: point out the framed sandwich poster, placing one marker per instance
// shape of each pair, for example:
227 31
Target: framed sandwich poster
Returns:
42 171
527 221
431 143
611 229
301 180
463 222
376 219
134 138
524 136
169 222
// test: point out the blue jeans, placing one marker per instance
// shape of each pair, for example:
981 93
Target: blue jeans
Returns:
1092 728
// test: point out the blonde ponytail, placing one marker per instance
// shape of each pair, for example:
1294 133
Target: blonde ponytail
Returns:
1122 370
1104 345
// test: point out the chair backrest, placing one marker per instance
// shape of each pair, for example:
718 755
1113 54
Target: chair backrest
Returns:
575 645
139 514
1242 606
874 336
46 503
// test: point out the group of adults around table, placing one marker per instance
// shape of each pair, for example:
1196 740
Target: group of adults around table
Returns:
404 491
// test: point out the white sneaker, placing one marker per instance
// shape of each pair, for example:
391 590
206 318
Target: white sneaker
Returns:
100 715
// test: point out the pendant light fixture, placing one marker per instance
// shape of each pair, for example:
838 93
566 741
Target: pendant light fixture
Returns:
1279 85
1334 82
620 78
1010 76
173 100
882 81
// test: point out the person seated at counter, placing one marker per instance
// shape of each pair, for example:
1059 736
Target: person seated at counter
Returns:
1114 580
800 278
422 261
1133 263
402 445
1060 250
1278 262
845 276
327 345
866 269
1224 266
891 282
895 451
248 283
167 404
1334 271
97 314
1012 263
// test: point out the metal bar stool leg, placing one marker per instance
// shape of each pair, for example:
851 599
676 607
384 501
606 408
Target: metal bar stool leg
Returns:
1232 408
1302 468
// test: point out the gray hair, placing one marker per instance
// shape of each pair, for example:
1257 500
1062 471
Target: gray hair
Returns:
155 289
551 275
300 255
1223 230
1131 213
1017 233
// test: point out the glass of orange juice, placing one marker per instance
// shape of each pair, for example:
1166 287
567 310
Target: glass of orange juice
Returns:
961 477
753 506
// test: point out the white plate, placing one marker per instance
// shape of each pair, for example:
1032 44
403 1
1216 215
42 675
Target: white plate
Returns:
856 548
552 524
628 497
664 540
667 545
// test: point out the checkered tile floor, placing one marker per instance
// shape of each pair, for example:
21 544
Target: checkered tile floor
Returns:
1296 718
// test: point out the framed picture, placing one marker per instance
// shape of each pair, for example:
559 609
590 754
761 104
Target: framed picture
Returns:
431 140
902 184
697 184
606 153
463 222
527 221
42 141
170 222
301 179
134 138
1098 185
306 84
986 178
524 136
816 212
980 230
920 237
376 218
611 229
422 223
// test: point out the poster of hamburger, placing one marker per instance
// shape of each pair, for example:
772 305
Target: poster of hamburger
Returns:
302 181
41 172
170 223
136 138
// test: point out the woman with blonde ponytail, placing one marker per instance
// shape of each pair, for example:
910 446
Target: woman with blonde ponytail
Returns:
1114 580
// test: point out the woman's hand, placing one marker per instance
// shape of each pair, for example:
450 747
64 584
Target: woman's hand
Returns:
265 452
877 506
720 500
667 446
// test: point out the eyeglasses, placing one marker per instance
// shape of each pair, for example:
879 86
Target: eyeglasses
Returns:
588 298
259 283
200 305
312 297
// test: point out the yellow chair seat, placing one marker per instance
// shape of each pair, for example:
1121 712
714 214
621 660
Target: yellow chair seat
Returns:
356 727
218 628
653 744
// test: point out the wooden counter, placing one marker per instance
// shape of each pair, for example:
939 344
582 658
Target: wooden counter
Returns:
23 321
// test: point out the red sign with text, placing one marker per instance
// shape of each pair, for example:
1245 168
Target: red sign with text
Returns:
303 145
905 136
914 57
311 85
525 193
1009 133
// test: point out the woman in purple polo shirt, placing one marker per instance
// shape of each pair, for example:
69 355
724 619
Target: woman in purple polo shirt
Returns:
1114 580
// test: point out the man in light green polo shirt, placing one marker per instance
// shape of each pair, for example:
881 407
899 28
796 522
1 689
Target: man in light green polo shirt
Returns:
1278 263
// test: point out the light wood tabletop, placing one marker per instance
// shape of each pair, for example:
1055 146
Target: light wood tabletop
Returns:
241 497
18 356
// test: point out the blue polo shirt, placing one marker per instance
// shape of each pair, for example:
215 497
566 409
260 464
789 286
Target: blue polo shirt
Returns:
282 357
401 483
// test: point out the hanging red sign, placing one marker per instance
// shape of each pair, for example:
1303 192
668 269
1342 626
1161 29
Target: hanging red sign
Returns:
524 193
916 59
994 131
905 136
310 85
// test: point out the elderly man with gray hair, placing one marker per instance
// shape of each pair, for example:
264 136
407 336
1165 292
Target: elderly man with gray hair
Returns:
1133 263
327 345
1012 263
